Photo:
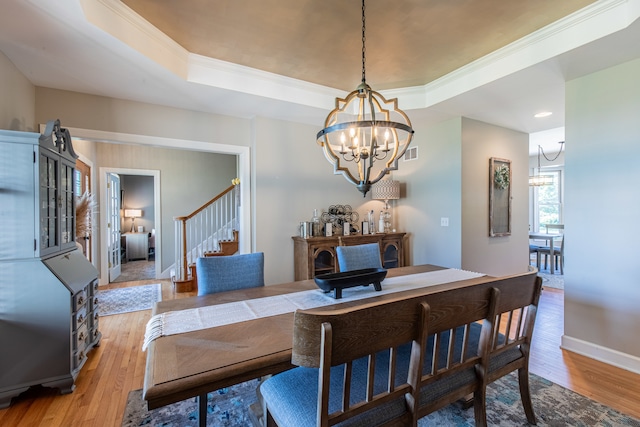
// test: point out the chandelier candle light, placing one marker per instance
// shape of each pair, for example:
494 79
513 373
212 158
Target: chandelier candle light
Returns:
365 128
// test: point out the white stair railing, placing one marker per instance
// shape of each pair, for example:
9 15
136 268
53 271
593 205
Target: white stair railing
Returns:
203 230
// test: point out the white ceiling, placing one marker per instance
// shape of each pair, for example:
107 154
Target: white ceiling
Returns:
103 47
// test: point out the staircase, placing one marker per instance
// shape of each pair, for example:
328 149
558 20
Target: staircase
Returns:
211 230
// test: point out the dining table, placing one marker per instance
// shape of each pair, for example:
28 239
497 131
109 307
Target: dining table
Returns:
549 238
192 363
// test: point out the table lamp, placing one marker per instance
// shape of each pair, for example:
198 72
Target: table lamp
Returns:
133 214
386 190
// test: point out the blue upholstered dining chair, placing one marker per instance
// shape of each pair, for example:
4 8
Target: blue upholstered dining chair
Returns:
358 257
228 273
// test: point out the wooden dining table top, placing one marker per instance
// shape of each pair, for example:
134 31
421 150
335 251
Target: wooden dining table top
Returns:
189 364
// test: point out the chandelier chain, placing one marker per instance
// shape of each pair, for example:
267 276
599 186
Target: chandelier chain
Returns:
548 159
363 43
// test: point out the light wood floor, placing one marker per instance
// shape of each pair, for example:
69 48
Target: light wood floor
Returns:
117 367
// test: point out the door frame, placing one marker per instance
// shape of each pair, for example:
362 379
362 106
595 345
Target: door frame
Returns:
113 232
92 190
243 156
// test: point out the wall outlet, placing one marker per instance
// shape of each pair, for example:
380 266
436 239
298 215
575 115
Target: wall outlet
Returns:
444 222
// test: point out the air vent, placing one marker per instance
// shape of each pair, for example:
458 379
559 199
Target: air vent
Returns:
411 154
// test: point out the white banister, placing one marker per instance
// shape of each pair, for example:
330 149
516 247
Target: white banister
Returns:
202 231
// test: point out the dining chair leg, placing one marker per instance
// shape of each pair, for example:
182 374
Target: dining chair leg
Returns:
202 410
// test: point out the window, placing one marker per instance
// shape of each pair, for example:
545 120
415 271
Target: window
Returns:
549 200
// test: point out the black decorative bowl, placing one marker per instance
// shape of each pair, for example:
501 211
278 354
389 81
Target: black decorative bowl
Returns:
336 282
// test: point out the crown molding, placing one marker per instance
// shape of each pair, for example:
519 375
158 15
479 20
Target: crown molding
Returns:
120 21
600 19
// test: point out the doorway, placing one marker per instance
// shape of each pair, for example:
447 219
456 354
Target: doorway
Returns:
118 220
137 241
243 157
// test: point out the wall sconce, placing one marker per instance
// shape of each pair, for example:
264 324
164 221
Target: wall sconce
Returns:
133 214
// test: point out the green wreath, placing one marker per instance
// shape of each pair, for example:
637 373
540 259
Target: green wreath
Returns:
501 177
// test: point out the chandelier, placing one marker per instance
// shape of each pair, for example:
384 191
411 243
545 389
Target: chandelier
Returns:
537 180
365 134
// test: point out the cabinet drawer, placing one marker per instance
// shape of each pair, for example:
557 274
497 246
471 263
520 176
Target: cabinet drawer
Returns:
78 358
79 299
79 318
95 333
92 320
93 303
81 338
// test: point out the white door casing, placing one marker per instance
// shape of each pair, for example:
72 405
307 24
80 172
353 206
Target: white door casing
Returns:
113 225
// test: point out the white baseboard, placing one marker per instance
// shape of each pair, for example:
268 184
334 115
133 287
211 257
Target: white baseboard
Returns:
602 354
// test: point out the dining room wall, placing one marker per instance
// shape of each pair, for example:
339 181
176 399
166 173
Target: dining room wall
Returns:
17 103
450 181
602 296
291 179
498 255
431 189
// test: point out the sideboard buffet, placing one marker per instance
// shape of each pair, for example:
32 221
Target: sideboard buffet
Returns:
48 289
317 255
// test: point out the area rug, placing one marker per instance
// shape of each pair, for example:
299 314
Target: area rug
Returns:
136 270
549 280
552 280
553 405
125 300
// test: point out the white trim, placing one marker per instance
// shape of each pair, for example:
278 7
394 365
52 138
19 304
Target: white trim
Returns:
602 354
244 173
116 18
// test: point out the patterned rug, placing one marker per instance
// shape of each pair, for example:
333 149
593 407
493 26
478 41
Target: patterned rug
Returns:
136 270
553 405
552 280
125 300
555 280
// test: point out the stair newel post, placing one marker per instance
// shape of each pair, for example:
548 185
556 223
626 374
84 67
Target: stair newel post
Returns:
182 281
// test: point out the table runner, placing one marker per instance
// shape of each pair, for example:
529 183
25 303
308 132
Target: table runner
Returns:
194 319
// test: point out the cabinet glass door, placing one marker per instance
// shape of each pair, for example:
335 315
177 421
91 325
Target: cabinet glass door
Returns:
67 206
49 199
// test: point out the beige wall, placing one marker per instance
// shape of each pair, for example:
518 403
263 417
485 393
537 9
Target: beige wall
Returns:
78 110
431 189
602 292
504 255
17 99
450 179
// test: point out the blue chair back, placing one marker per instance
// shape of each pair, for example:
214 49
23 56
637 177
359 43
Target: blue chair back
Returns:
358 257
228 273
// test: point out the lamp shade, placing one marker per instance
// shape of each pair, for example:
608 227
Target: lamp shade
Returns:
133 213
386 189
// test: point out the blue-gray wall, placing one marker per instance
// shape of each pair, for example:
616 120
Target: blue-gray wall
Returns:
602 275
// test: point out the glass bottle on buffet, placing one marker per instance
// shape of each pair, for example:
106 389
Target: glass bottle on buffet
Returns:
315 221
